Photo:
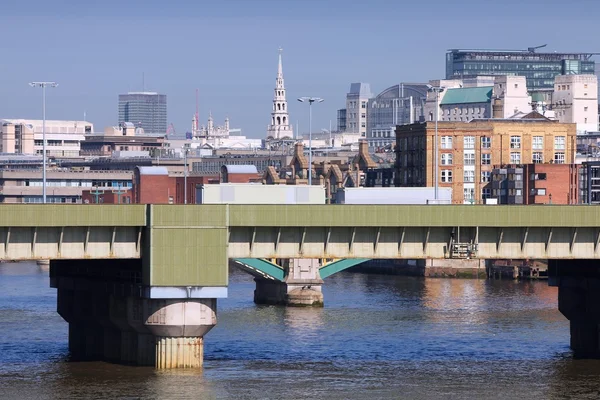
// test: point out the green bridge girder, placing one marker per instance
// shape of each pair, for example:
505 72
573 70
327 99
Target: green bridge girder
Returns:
271 270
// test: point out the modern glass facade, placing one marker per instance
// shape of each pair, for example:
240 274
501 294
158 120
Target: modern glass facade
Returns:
539 68
147 110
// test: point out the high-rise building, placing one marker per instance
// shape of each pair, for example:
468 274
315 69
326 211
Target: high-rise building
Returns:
146 110
539 68
280 127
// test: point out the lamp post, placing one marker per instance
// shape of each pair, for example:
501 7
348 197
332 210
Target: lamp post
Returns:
43 85
437 91
185 175
310 100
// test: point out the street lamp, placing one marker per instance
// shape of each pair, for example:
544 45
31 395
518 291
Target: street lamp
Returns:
437 91
43 86
310 100
185 171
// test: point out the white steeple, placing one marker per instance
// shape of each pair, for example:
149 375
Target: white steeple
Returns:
280 120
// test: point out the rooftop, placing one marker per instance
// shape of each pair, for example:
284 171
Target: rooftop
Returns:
468 95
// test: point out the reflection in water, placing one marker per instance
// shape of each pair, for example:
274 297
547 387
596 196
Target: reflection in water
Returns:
379 337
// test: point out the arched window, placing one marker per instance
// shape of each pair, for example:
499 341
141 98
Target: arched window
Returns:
283 107
278 107
273 121
284 119
431 116
278 120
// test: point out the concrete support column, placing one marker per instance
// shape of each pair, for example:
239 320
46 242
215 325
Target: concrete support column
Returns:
179 352
578 284
302 285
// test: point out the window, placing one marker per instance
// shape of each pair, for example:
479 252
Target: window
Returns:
516 85
363 104
486 193
469 176
538 157
515 142
559 158
585 85
469 142
363 115
559 143
538 142
486 159
446 142
538 192
486 142
446 176
485 176
447 159
469 194
538 177
515 158
469 159
585 108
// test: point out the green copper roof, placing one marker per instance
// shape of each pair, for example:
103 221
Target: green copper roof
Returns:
468 95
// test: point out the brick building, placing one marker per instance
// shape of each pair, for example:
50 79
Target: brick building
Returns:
468 150
535 184
240 174
153 185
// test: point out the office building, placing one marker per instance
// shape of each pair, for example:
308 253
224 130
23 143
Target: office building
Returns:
25 136
467 152
397 105
575 100
540 69
356 108
146 110
535 184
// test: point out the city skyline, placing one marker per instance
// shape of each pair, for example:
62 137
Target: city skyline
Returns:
171 50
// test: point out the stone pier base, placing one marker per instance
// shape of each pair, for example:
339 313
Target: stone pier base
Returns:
302 286
179 352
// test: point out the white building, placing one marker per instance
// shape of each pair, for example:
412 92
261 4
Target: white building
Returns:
575 100
356 108
280 127
24 136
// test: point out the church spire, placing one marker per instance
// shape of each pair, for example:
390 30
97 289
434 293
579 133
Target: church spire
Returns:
280 127
280 69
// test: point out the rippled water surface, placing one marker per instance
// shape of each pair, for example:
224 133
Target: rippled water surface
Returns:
378 337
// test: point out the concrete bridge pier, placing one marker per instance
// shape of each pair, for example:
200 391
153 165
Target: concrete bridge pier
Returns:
112 320
301 287
578 283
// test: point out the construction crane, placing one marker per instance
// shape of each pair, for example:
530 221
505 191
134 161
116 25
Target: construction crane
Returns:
170 129
533 49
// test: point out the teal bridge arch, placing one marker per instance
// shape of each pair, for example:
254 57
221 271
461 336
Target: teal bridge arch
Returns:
264 268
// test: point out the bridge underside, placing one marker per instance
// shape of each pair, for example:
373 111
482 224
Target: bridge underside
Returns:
414 242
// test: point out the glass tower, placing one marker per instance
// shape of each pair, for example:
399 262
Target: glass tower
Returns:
147 110
539 68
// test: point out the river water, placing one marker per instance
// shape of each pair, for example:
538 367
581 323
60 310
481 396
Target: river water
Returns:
378 337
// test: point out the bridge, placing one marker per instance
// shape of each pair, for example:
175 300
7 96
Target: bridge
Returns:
139 283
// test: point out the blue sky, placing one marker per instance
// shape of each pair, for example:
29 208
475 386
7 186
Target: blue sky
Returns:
228 50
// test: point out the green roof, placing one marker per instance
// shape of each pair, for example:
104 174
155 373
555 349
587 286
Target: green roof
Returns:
468 95
535 96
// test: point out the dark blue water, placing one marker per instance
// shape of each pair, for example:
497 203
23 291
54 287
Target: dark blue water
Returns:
378 337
